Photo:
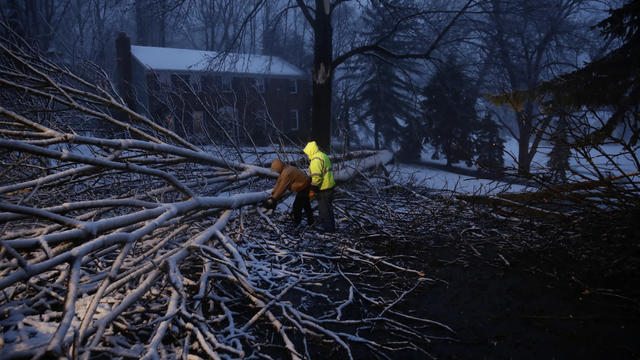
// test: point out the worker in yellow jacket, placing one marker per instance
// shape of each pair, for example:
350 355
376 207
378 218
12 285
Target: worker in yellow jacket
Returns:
322 184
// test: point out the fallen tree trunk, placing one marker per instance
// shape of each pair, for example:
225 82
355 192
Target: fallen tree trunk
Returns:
152 247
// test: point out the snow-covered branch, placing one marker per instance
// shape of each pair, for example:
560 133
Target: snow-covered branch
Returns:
139 244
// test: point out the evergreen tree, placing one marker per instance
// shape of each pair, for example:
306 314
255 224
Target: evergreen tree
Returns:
385 102
449 113
489 147
411 141
386 96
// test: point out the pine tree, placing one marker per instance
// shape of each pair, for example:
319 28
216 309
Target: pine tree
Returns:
386 96
376 100
449 113
489 147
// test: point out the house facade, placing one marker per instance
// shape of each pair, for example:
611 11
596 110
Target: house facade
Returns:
206 96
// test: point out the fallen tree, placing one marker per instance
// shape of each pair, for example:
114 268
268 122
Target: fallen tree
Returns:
140 244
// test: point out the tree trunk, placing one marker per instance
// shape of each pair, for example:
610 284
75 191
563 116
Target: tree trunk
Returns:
524 158
322 76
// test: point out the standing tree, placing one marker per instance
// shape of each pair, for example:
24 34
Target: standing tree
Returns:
151 21
380 101
89 28
531 40
600 103
449 113
611 82
387 93
558 162
218 22
283 35
36 20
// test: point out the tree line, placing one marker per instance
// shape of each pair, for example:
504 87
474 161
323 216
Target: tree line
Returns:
395 74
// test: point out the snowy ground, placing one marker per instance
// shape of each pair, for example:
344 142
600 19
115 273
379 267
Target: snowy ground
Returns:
448 181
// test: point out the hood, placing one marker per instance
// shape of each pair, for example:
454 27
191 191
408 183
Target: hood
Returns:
311 148
277 165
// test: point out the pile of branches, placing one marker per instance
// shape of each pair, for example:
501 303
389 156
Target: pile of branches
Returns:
142 245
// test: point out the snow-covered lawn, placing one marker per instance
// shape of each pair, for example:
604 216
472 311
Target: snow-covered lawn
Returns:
619 160
447 181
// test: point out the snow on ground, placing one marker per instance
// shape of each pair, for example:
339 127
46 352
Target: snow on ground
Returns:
448 181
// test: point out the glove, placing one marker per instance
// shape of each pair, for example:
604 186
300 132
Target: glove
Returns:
312 194
270 204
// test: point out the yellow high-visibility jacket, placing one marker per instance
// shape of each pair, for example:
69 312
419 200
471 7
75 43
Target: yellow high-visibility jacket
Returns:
319 167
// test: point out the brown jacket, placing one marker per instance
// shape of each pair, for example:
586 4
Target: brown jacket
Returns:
290 178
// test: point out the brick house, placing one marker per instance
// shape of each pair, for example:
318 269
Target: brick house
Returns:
206 97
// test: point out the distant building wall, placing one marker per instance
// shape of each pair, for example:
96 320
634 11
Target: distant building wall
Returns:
213 106
250 108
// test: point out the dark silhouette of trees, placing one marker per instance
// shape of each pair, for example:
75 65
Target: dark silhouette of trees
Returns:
36 21
387 96
319 17
449 113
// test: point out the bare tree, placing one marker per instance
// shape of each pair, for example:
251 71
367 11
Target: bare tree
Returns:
87 31
531 43
598 132
37 21
140 244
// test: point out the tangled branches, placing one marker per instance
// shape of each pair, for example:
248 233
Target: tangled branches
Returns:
140 244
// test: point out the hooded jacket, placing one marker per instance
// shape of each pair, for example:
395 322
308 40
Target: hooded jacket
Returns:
319 167
290 178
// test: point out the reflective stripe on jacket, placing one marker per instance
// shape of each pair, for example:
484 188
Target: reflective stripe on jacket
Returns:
319 167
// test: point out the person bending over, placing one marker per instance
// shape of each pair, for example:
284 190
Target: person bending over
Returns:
295 180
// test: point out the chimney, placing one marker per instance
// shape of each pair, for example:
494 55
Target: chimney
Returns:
125 75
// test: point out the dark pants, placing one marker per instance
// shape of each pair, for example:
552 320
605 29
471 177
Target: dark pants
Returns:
325 209
302 202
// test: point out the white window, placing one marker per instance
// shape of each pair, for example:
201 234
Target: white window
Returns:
164 78
196 83
293 86
180 81
198 122
226 83
228 113
259 84
292 120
